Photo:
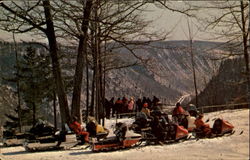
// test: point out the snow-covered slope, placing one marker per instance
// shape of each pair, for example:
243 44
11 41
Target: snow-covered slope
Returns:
234 147
169 71
167 76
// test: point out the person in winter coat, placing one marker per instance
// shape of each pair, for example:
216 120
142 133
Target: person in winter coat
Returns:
107 106
131 103
178 113
155 101
200 125
139 105
192 110
118 106
125 105
149 103
76 127
112 105
146 110
157 129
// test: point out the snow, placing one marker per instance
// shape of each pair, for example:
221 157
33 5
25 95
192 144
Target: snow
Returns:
234 147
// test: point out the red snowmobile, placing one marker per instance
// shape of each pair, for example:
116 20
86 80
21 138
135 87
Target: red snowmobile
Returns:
119 141
158 130
220 128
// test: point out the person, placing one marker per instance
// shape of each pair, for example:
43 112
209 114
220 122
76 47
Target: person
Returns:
139 105
124 105
118 106
76 127
155 101
120 131
178 113
202 126
156 107
184 120
191 121
112 105
192 110
107 108
94 128
131 105
146 110
148 100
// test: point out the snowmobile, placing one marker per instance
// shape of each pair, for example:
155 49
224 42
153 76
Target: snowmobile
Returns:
167 132
119 141
172 133
60 140
43 137
17 139
220 128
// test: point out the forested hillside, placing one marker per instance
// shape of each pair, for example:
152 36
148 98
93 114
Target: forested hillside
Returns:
228 86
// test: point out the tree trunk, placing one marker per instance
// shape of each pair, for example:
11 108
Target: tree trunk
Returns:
92 95
194 74
87 88
248 74
54 108
50 33
82 48
34 113
18 87
192 62
97 86
245 48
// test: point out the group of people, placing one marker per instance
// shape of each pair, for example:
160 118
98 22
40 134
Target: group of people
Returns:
189 118
125 105
118 107
150 110
92 129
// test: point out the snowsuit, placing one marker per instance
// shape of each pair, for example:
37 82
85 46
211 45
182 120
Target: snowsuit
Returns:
178 114
146 111
139 105
124 105
178 110
157 128
76 127
131 105
118 106
205 128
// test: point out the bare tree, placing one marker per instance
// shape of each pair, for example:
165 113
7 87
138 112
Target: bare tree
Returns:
228 21
69 20
29 17
191 38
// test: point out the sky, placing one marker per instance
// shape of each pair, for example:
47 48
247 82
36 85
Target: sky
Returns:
162 20
176 22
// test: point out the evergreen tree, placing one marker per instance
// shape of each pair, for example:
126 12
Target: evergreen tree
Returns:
36 82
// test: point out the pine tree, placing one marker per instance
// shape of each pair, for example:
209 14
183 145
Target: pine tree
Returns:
36 82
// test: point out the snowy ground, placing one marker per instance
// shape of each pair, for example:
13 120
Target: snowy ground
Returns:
235 147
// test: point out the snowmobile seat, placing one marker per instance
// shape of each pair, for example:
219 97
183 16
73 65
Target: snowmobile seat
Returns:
217 127
101 135
222 127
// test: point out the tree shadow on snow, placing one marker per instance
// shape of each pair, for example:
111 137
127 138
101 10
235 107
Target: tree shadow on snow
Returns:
15 153
106 151
80 153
